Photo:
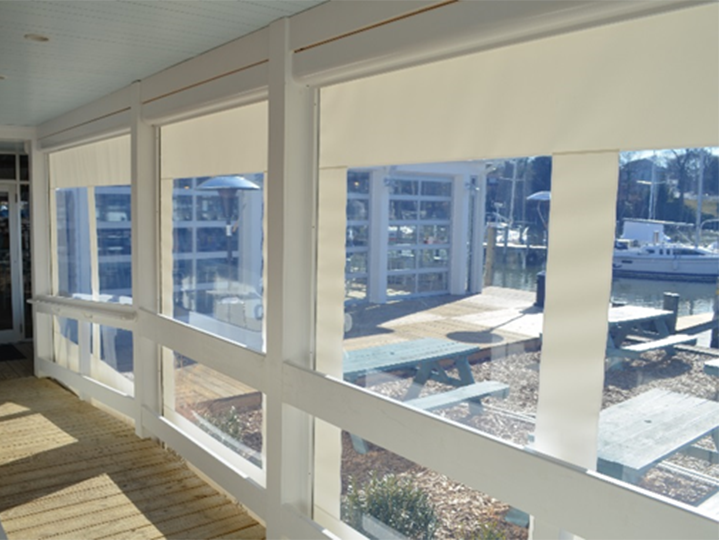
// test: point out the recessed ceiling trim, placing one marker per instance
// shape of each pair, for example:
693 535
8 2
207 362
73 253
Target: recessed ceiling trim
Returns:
461 28
206 81
103 127
377 24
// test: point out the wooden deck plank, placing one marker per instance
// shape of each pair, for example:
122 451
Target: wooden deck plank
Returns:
70 470
98 488
13 487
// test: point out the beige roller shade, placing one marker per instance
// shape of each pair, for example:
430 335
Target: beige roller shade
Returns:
229 142
640 84
104 163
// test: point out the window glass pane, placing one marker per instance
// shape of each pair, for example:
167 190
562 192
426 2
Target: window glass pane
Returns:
182 240
357 236
437 189
432 282
401 285
66 341
114 242
182 208
221 407
217 279
357 263
73 242
110 232
213 239
435 234
434 210
357 209
401 259
356 288
358 182
384 495
434 258
661 374
403 187
403 210
209 208
7 167
24 168
402 234
115 281
488 330
115 366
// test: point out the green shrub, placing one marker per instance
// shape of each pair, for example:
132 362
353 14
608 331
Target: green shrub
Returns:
486 531
395 502
228 422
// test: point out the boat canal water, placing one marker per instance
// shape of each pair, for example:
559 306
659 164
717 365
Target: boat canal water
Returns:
695 297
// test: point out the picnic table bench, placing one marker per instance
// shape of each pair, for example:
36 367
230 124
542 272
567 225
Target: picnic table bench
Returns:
711 367
424 355
645 322
636 434
430 358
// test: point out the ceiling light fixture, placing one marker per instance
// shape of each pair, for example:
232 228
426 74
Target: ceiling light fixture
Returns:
36 37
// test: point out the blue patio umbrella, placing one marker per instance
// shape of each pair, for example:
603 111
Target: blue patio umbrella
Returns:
539 196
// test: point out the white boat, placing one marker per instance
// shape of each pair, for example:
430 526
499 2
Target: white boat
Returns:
645 251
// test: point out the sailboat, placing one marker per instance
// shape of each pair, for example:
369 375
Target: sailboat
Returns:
645 251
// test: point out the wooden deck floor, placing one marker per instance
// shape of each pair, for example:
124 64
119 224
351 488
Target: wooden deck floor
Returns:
69 470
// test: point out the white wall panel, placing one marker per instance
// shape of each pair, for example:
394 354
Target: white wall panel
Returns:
228 142
644 83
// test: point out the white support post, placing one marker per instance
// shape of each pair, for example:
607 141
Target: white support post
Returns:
477 257
290 210
578 283
166 285
459 234
379 220
90 347
332 194
145 250
41 254
251 242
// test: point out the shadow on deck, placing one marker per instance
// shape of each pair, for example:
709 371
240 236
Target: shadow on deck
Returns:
70 470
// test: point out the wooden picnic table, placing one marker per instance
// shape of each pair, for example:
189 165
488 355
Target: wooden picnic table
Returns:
639 433
430 358
645 322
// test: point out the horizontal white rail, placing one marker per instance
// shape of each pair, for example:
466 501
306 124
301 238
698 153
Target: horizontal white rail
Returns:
582 501
222 355
117 315
229 478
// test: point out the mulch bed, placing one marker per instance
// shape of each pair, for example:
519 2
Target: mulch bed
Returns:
460 508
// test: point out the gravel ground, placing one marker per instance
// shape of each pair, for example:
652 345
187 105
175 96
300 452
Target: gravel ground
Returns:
461 509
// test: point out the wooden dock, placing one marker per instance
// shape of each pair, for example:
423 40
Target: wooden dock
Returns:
69 470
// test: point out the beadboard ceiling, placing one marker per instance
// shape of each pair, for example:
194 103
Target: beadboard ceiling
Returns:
95 47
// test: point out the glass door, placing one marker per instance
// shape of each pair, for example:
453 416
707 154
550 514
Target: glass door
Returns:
10 269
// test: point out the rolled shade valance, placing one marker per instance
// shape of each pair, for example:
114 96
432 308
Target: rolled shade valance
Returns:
639 84
228 142
103 163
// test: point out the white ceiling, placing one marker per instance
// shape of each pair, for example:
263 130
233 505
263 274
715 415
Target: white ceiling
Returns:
98 46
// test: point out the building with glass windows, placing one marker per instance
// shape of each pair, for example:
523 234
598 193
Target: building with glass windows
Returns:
410 297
